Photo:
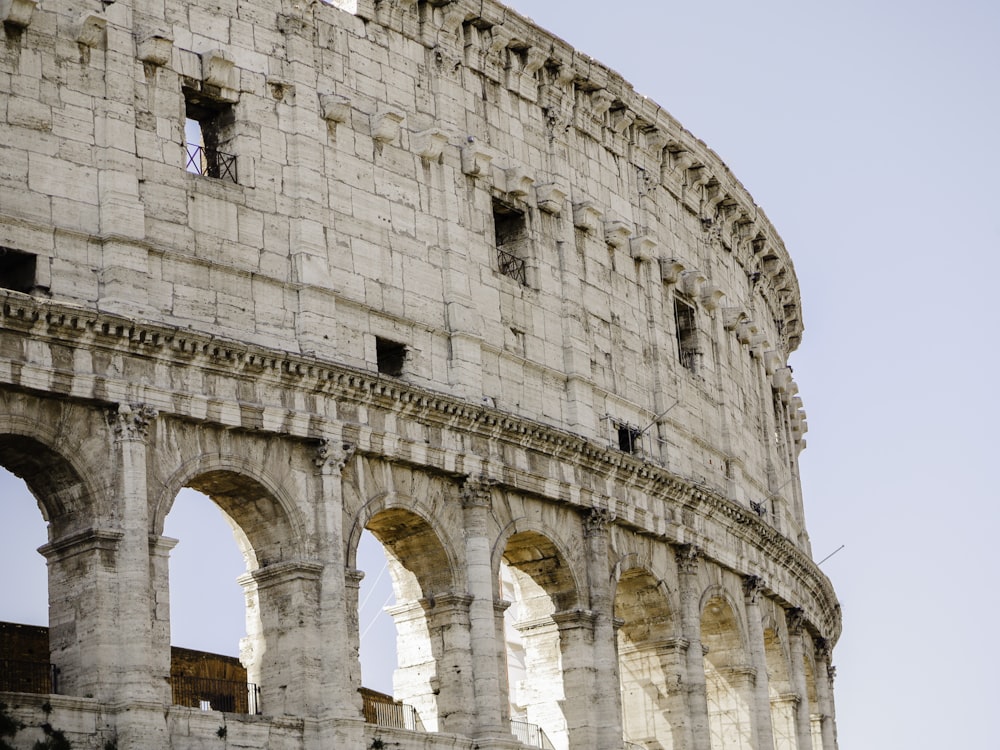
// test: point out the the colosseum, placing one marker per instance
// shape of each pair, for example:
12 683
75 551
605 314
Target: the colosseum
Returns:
415 267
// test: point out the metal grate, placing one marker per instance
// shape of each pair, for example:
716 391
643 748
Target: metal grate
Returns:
231 696
210 163
512 266
37 677
386 712
530 734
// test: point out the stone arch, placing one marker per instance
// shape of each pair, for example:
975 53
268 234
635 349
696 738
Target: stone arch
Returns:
651 658
280 585
547 625
729 678
65 461
432 673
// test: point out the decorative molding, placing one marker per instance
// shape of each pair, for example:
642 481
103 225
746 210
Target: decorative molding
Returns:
597 521
131 421
333 455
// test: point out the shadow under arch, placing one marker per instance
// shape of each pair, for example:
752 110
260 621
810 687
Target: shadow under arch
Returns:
651 658
548 632
729 678
425 581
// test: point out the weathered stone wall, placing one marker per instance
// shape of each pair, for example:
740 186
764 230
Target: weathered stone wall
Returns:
448 280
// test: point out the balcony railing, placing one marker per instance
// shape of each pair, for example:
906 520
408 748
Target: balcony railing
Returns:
231 696
210 163
530 734
386 712
28 677
512 266
633 746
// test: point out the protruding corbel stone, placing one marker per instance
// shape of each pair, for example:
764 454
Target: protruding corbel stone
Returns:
781 381
698 175
772 361
622 119
732 317
671 270
681 158
475 158
773 266
656 139
691 282
643 247
335 108
534 59
550 198
616 233
17 13
600 101
155 46
90 29
499 39
518 181
745 331
586 216
711 296
429 144
385 125
217 69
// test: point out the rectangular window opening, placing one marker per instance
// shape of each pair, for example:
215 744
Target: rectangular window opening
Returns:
628 437
209 129
17 270
511 232
391 356
687 334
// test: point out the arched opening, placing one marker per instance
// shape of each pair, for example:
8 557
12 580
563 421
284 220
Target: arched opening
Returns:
547 634
24 597
227 522
430 682
208 612
780 691
728 678
376 628
651 662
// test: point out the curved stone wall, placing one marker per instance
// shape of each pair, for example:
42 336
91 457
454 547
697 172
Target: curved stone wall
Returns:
425 270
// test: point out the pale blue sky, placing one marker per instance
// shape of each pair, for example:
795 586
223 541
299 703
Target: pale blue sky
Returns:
867 131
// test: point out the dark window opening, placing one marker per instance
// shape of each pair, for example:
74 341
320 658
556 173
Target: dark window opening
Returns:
17 270
687 334
511 231
209 128
391 355
628 437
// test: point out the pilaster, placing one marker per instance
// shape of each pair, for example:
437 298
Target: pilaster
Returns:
761 712
803 728
824 694
688 563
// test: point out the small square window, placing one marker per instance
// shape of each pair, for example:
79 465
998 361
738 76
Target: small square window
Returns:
391 356
511 231
17 270
628 437
208 135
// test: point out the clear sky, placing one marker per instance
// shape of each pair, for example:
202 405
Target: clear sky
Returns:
868 133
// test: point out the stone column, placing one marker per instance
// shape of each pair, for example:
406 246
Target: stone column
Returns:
448 623
82 599
339 668
824 694
662 670
487 649
159 566
803 728
607 708
130 426
761 713
576 644
688 557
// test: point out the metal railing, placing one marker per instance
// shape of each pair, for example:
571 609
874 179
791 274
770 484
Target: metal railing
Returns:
231 696
38 677
210 163
512 266
530 734
388 713
633 746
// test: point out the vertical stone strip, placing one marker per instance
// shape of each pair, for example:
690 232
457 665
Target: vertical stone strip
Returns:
340 670
803 728
487 649
130 427
752 587
159 572
688 557
824 694
607 694
577 646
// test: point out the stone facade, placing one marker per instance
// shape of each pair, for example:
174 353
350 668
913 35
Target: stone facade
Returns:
416 267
